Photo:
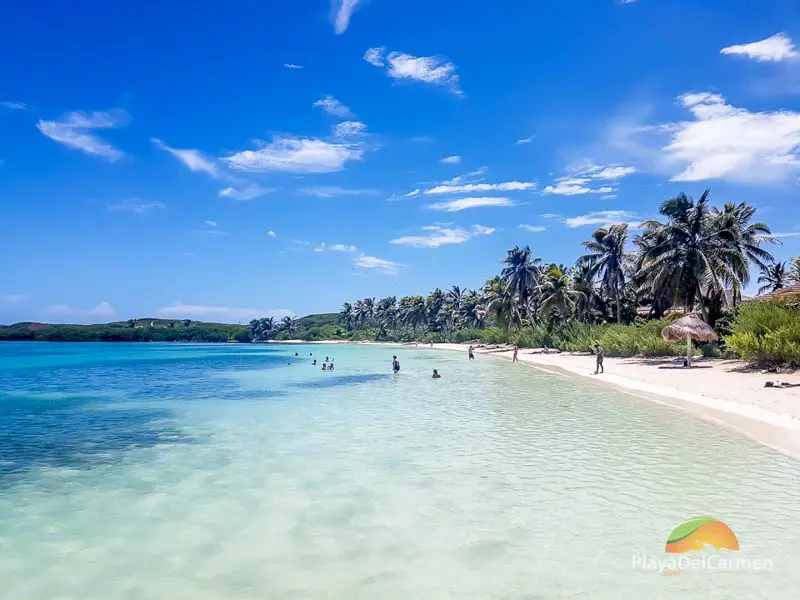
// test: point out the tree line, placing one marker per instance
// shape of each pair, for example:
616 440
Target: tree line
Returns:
696 257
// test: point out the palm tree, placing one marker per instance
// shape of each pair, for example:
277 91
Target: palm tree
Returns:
502 303
287 324
794 273
346 315
587 298
558 297
414 313
734 220
608 258
773 276
692 255
521 276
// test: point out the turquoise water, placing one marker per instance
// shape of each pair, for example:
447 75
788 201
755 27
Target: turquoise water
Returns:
214 472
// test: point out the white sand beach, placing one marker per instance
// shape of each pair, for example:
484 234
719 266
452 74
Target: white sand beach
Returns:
720 390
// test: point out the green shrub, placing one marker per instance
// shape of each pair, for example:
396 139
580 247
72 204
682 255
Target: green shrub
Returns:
490 335
711 350
765 332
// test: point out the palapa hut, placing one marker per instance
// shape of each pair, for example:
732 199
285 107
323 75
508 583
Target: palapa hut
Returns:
691 327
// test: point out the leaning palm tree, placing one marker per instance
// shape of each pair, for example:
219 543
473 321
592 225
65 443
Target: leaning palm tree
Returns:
774 277
608 259
346 315
521 275
502 304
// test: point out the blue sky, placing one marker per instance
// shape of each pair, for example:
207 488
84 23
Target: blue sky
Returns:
226 160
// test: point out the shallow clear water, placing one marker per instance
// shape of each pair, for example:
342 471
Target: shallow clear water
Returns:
222 472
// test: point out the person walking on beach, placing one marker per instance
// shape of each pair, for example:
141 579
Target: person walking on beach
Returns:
471 353
516 351
395 365
598 351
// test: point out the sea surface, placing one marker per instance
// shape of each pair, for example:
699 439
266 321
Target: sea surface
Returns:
239 472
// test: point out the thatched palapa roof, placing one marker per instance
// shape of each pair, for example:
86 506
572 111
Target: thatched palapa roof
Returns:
691 325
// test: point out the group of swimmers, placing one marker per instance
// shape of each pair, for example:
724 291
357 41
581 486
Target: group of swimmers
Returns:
326 366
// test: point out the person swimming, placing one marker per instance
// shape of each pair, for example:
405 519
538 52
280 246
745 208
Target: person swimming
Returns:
436 374
314 364
324 366
395 365
330 366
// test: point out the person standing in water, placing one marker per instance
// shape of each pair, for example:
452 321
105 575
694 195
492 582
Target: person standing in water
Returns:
395 365
471 353
598 351
516 351
436 374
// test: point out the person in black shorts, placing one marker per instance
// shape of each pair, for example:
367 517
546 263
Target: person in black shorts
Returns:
598 351
471 353
395 365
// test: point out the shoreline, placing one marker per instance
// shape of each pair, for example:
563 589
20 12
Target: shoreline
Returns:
715 390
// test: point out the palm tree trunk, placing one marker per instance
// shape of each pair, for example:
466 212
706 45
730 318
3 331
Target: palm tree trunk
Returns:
619 310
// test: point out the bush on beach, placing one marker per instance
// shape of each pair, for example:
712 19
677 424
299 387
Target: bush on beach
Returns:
766 333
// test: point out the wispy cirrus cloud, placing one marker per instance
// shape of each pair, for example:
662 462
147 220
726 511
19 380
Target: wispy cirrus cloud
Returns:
14 105
296 155
342 11
533 228
349 129
425 69
777 48
334 107
75 130
332 191
244 194
470 188
224 313
323 247
292 66
436 236
381 265
451 160
604 218
526 140
194 160
137 207
467 203
582 176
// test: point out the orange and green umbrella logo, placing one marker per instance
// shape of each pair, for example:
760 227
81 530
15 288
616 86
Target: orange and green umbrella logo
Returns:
695 533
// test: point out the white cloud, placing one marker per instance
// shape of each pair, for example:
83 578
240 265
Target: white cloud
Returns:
451 160
349 129
271 233
603 217
210 223
193 159
510 186
790 234
583 174
14 105
725 142
526 140
296 155
471 177
333 107
426 69
251 192
74 131
379 264
575 187
323 247
482 230
466 203
225 313
777 48
374 56
343 9
331 191
104 309
291 66
440 235
533 228
137 207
